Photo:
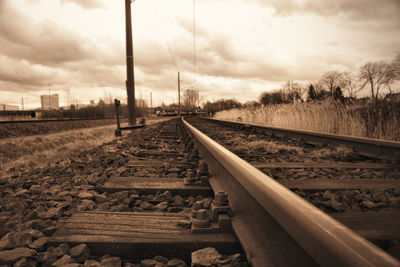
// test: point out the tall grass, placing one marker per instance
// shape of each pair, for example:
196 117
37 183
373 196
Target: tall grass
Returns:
37 151
373 120
40 151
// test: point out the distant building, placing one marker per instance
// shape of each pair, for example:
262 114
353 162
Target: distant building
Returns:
49 102
5 107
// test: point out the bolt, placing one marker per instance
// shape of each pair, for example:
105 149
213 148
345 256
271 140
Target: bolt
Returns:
203 169
190 173
221 199
201 218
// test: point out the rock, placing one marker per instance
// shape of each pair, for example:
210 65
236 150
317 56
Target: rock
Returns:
92 263
63 249
161 259
161 206
6 241
138 203
35 188
160 264
148 263
101 198
15 239
328 195
79 180
174 209
166 196
334 204
197 205
394 202
206 202
119 207
85 195
66 259
49 231
25 263
205 257
39 244
178 201
103 206
52 213
134 196
145 205
111 262
54 190
50 256
80 253
368 204
22 192
87 204
93 179
10 256
128 201
37 224
120 195
176 263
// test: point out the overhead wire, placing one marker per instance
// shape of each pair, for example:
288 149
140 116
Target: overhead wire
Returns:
171 53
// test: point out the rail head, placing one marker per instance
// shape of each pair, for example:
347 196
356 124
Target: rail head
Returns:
375 148
326 240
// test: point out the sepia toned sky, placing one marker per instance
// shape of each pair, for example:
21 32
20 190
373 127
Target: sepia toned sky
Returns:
243 47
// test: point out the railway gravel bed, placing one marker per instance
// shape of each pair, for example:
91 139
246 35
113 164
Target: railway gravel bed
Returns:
34 203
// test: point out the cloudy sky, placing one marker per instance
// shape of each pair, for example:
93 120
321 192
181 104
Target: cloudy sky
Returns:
243 47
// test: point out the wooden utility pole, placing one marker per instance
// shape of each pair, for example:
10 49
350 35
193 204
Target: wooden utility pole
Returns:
179 95
130 82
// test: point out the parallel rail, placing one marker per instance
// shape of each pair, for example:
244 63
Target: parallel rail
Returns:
369 147
274 225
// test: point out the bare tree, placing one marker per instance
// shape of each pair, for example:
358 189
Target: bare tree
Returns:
331 80
351 84
377 74
293 91
190 98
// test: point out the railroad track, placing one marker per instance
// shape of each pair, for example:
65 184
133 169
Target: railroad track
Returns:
170 190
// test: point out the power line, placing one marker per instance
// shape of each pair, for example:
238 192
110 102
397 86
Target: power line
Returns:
171 54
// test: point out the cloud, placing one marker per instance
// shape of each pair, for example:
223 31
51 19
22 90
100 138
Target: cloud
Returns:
45 51
22 72
353 10
45 42
86 4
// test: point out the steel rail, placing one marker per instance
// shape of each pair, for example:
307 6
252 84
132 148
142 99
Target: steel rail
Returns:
369 147
277 227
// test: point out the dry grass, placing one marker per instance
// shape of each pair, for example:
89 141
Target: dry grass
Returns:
373 121
45 150
29 152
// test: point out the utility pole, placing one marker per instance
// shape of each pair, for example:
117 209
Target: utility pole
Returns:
179 95
130 82
22 99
